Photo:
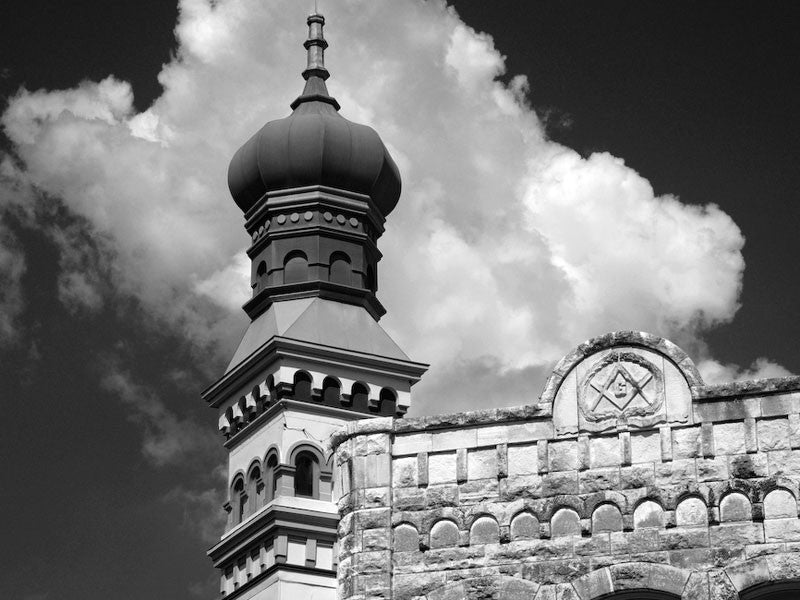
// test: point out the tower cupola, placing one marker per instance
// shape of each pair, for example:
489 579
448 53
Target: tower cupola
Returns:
315 189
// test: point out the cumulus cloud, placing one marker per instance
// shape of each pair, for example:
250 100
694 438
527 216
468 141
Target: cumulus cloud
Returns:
713 371
505 251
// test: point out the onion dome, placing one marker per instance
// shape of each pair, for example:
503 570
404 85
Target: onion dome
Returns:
314 146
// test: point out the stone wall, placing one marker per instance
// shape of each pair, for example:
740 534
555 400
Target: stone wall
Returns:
627 474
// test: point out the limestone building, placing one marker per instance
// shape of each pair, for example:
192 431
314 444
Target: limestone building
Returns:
628 478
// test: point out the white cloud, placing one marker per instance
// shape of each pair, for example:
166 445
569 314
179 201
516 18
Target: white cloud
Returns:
714 372
506 249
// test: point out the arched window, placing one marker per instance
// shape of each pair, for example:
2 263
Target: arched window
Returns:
331 390
270 481
239 499
340 270
359 397
388 402
255 491
306 475
261 275
295 267
302 386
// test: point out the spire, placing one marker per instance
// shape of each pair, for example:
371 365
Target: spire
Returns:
315 72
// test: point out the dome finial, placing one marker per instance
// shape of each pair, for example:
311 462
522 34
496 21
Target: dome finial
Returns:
316 44
315 72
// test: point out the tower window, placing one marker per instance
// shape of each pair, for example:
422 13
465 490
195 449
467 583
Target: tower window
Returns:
295 268
302 386
331 390
261 275
270 481
340 270
359 397
239 499
306 475
388 402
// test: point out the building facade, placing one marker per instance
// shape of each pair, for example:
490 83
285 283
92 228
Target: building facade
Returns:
628 477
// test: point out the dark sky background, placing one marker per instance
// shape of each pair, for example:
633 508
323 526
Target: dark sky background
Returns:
700 98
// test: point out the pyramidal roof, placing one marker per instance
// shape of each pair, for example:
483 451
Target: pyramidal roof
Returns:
319 321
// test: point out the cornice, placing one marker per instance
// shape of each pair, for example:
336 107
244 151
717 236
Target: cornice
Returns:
279 347
275 520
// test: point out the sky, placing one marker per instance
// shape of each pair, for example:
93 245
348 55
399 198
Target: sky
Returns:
569 169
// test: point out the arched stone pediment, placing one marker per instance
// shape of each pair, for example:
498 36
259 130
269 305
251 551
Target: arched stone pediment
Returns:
624 379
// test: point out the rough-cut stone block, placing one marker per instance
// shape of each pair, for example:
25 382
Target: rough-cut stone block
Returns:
750 438
411 443
482 464
441 468
677 472
645 447
747 466
542 457
422 468
502 460
782 462
444 533
437 496
681 538
480 490
565 522
604 452
561 483
735 507
461 465
666 443
409 498
484 530
596 480
450 440
691 512
417 585
780 504
376 539
697 587
378 470
773 434
686 442
707 439
406 538
648 514
523 486
729 438
404 472
794 431
748 574
780 404
606 518
784 567
522 460
594 584
643 540
637 476
524 526
736 534
563 456
376 443
712 469
727 410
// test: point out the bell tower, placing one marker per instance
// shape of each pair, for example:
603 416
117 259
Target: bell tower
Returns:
315 190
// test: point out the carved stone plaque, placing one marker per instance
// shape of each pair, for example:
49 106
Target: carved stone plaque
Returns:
620 386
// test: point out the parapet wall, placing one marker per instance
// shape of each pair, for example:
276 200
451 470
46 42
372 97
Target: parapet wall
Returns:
627 474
